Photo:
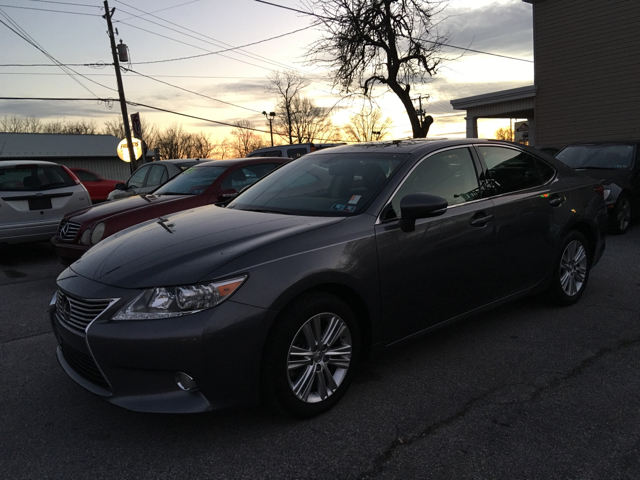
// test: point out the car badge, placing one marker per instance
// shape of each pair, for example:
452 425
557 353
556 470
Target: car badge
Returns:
63 230
66 310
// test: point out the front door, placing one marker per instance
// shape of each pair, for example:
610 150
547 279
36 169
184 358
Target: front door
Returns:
446 266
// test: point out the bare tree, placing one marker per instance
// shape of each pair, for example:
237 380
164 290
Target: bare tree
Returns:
310 122
391 42
368 125
286 86
504 134
222 150
16 124
244 140
79 127
201 145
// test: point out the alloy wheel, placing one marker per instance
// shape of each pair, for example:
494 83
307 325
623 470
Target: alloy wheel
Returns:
573 268
623 214
319 357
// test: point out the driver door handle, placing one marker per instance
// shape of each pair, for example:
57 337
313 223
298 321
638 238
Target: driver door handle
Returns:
557 200
480 220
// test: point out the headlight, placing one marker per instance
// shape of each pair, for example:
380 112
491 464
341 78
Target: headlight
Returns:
166 302
86 237
97 232
606 193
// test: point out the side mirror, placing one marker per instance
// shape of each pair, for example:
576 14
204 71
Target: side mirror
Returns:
120 186
227 194
419 205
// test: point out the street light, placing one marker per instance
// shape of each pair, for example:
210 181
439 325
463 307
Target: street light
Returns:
377 134
270 118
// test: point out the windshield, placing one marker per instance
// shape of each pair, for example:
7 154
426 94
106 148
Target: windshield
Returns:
192 181
26 178
321 184
597 156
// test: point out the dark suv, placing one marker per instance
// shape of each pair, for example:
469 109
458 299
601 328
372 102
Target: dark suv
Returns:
617 166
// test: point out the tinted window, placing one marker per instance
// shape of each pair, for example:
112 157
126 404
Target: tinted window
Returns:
449 174
323 184
509 170
86 176
137 179
155 175
247 175
597 156
193 181
33 177
296 152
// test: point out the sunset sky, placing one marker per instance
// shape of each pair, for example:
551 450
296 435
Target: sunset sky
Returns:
162 31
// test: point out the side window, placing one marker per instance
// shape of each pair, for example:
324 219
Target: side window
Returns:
155 175
449 174
86 176
296 152
137 179
510 170
545 170
246 176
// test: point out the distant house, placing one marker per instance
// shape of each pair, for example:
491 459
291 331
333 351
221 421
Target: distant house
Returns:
587 75
97 153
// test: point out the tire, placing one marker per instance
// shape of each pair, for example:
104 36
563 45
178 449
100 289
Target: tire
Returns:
310 355
621 216
571 271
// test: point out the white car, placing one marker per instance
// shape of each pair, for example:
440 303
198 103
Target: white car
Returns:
34 196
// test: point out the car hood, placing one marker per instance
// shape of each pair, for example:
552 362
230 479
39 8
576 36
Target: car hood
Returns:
607 176
183 248
131 204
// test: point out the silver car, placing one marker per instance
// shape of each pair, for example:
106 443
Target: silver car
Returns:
34 196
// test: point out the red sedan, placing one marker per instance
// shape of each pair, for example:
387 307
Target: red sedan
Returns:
97 186
203 184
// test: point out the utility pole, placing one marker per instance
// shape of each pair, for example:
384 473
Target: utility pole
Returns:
123 104
270 118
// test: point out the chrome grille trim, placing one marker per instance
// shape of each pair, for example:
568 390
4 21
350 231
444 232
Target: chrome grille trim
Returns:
80 312
68 230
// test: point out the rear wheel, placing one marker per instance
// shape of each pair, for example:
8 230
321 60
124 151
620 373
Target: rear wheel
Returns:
571 272
310 355
621 216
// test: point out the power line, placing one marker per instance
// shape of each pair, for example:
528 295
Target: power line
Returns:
54 11
67 3
189 91
161 10
25 36
204 77
428 41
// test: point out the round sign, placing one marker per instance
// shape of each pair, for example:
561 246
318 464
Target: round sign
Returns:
123 149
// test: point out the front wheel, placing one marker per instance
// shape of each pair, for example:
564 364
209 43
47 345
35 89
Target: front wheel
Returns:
571 272
310 355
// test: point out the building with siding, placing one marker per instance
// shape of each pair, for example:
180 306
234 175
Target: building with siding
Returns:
97 153
587 75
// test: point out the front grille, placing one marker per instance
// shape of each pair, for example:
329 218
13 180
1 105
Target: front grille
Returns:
68 230
83 366
76 312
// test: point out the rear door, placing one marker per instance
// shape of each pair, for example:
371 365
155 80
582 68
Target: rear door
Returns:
531 208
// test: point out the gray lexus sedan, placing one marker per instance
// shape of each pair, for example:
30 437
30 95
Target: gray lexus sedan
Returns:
327 260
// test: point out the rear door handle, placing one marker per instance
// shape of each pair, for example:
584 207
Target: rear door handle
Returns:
481 221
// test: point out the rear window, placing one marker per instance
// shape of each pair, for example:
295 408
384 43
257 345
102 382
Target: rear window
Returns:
27 178
597 156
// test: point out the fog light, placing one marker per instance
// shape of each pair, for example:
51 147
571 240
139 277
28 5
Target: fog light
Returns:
185 382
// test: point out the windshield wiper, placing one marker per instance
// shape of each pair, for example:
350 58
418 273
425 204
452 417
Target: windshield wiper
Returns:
264 210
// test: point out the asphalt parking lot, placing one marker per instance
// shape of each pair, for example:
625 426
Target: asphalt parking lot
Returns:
526 391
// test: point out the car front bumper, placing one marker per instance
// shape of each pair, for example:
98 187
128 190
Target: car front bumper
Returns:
135 363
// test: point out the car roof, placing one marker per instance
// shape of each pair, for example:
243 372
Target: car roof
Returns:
25 162
247 161
606 142
409 146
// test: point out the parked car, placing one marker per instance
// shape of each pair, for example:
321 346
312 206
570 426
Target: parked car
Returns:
97 186
204 183
340 253
150 176
34 196
617 166
292 151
